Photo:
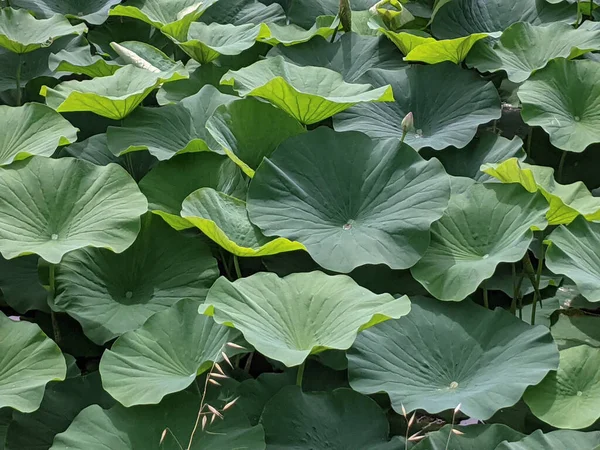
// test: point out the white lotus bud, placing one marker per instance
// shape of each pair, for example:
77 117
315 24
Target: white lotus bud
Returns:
408 123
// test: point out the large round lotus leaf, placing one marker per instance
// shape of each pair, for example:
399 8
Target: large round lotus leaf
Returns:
249 130
206 42
28 360
571 331
92 11
351 55
182 127
556 440
289 318
114 96
458 18
472 437
240 12
337 420
20 32
448 105
141 427
20 284
563 99
224 219
74 205
110 293
310 94
431 51
61 403
566 201
486 148
575 252
525 48
292 34
483 360
32 129
32 65
170 182
77 58
570 397
348 200
164 355
485 225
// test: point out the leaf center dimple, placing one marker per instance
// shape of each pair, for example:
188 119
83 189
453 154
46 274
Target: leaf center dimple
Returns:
453 385
128 294
54 237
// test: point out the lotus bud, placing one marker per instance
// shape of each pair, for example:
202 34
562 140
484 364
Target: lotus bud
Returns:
345 15
408 123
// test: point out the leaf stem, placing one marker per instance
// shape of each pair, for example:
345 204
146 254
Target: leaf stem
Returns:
561 165
404 133
52 291
529 139
300 374
236 264
18 79
486 301
538 277
579 14
225 265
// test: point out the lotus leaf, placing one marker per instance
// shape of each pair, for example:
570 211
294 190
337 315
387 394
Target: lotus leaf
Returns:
555 440
20 284
571 331
473 437
92 11
291 34
77 58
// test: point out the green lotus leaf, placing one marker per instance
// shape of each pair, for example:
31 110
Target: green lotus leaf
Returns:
163 356
20 284
431 51
32 129
206 42
182 127
570 397
358 203
567 201
484 226
475 348
310 94
352 55
224 219
448 105
525 48
457 18
61 403
92 11
341 420
172 17
503 280
292 34
77 58
74 205
110 294
472 437
241 12
114 96
5 419
141 427
556 440
289 318
28 361
571 331
486 148
20 32
167 186
575 252
249 130
563 100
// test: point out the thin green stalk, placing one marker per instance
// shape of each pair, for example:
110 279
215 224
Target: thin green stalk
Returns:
52 290
529 139
225 265
333 35
519 296
452 426
236 264
561 165
404 133
18 80
300 374
538 277
248 363
513 303
579 14
486 302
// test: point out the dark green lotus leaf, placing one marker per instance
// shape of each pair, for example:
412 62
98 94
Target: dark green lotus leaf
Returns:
571 331
563 100
484 226
28 361
556 440
114 96
94 150
241 12
249 130
110 293
206 74
20 284
78 58
75 205
287 319
359 202
92 11
163 356
20 32
483 360
32 129
167 186
310 94
5 419
525 48
570 397
575 252
292 34
351 55
486 148
473 437
141 427
337 420
503 280
457 18
254 393
448 105
61 403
